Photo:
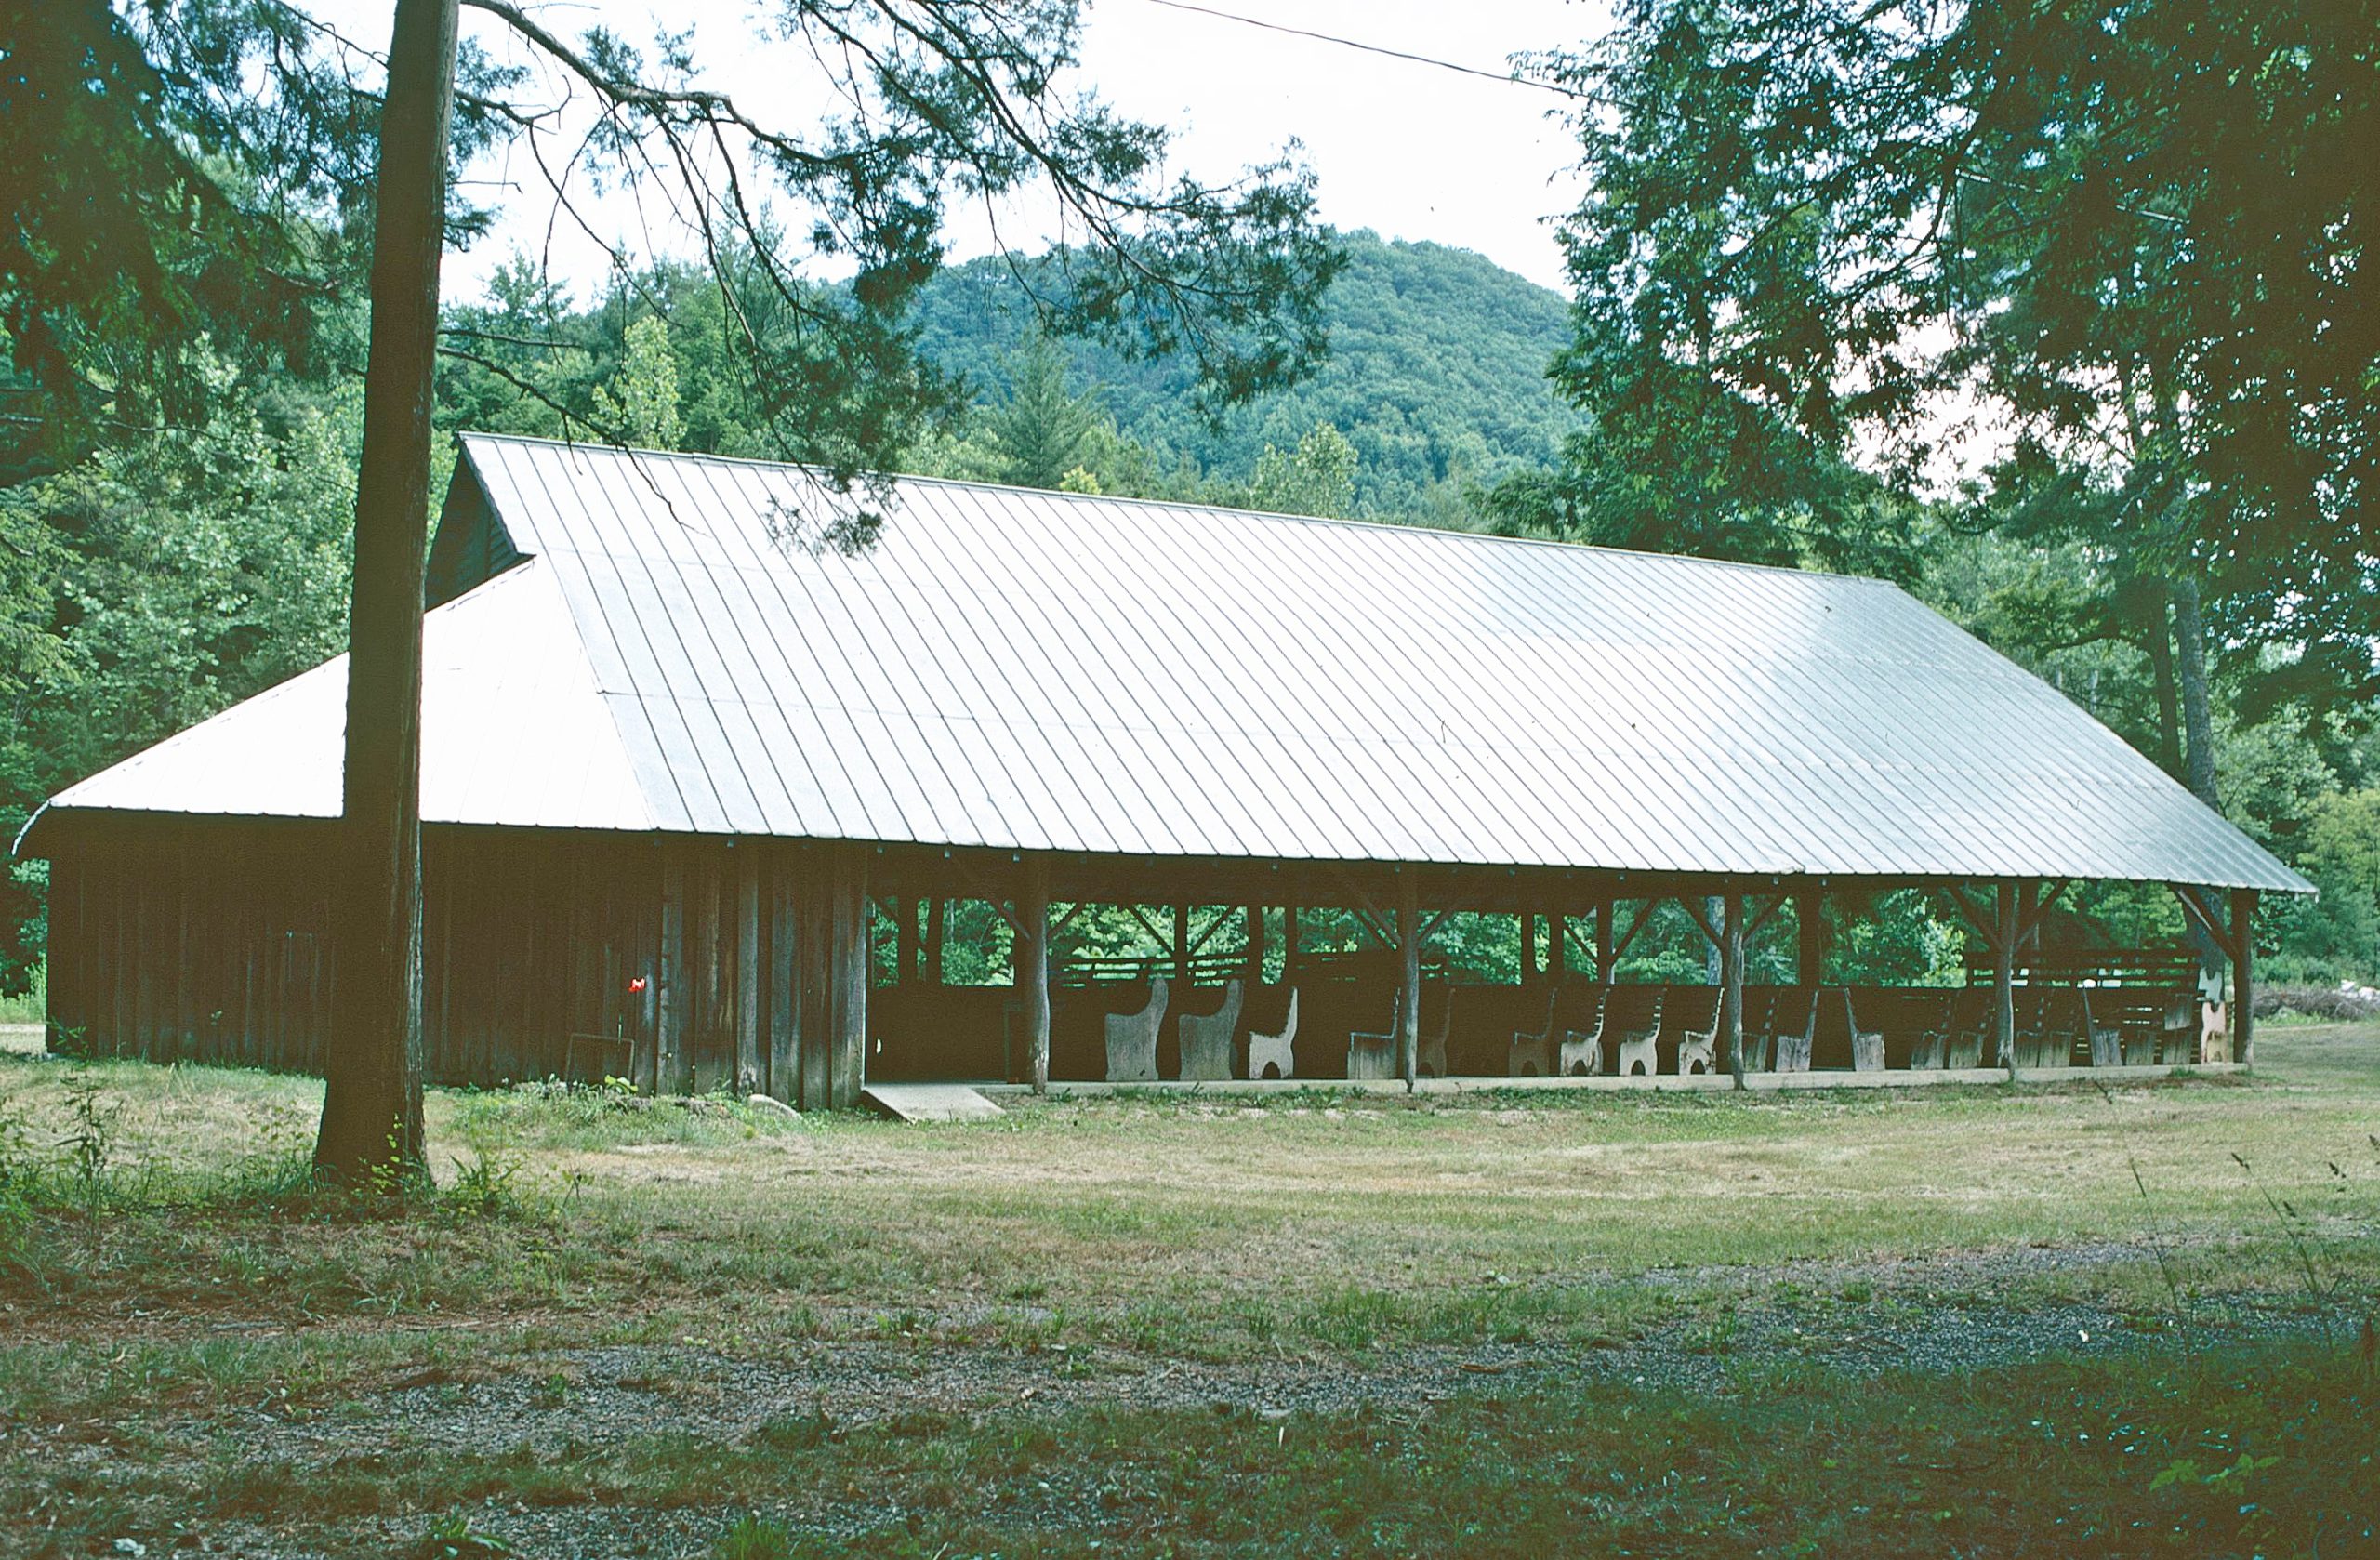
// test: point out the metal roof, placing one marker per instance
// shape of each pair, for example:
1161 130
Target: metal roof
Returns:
1052 671
513 730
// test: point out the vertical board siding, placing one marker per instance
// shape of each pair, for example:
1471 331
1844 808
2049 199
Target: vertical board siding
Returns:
211 943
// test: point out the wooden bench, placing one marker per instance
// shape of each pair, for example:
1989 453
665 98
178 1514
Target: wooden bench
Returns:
1374 1055
1791 1028
1930 1052
1639 1027
2151 996
1531 1052
1205 1039
1581 1019
1131 1038
1697 1042
1867 1045
1274 1055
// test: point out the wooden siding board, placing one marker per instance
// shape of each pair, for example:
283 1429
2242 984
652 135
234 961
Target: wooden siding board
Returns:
785 1008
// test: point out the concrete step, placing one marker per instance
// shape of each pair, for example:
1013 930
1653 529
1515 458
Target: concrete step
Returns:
929 1102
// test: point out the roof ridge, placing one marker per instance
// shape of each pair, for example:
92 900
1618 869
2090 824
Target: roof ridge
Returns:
1399 528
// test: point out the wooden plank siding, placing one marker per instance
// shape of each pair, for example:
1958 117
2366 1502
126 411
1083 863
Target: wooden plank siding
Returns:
206 941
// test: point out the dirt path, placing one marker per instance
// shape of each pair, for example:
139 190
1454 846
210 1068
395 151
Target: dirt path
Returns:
1943 1314
543 1398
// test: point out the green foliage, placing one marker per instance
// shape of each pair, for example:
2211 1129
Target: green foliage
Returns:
1041 431
1436 376
159 579
456 1538
753 1538
639 402
1318 478
1824 241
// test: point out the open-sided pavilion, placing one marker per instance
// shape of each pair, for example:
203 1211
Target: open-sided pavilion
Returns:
677 741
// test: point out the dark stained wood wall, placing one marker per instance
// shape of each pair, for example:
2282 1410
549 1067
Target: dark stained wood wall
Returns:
682 964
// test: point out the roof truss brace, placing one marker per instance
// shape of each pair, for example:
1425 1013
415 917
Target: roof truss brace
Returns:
1164 940
2035 902
1570 933
2029 924
1366 912
1636 923
1692 905
2203 909
1977 922
1214 924
1003 903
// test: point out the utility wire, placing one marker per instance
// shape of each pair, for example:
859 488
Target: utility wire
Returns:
1964 175
1507 80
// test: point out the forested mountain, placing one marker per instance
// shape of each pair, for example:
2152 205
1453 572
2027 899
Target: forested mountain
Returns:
1437 374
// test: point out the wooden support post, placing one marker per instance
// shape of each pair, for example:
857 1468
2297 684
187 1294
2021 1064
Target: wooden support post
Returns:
1557 955
748 956
847 1023
1607 950
2244 977
1288 943
1031 967
1528 947
1409 1007
937 928
1255 944
1182 944
904 940
2004 975
1731 985
1809 911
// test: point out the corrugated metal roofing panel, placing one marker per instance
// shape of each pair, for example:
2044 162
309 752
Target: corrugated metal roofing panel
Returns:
1035 670
513 730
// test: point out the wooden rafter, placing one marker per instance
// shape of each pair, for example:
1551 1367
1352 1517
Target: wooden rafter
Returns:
1214 924
2030 915
1977 922
1364 910
1003 904
1692 905
1164 940
2202 908
1635 924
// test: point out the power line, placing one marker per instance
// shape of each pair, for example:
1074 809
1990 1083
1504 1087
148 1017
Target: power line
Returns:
1376 48
1963 173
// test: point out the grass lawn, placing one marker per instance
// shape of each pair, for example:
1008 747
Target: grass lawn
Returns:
1982 1321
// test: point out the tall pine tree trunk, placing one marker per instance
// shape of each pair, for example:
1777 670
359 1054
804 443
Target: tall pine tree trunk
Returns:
2190 668
2157 635
373 1062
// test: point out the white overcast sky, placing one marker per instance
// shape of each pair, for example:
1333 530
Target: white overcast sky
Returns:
1406 149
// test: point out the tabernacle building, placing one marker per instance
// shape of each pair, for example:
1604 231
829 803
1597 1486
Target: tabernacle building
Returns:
681 754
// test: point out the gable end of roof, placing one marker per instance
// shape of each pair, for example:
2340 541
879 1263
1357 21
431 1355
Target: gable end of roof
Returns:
473 545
